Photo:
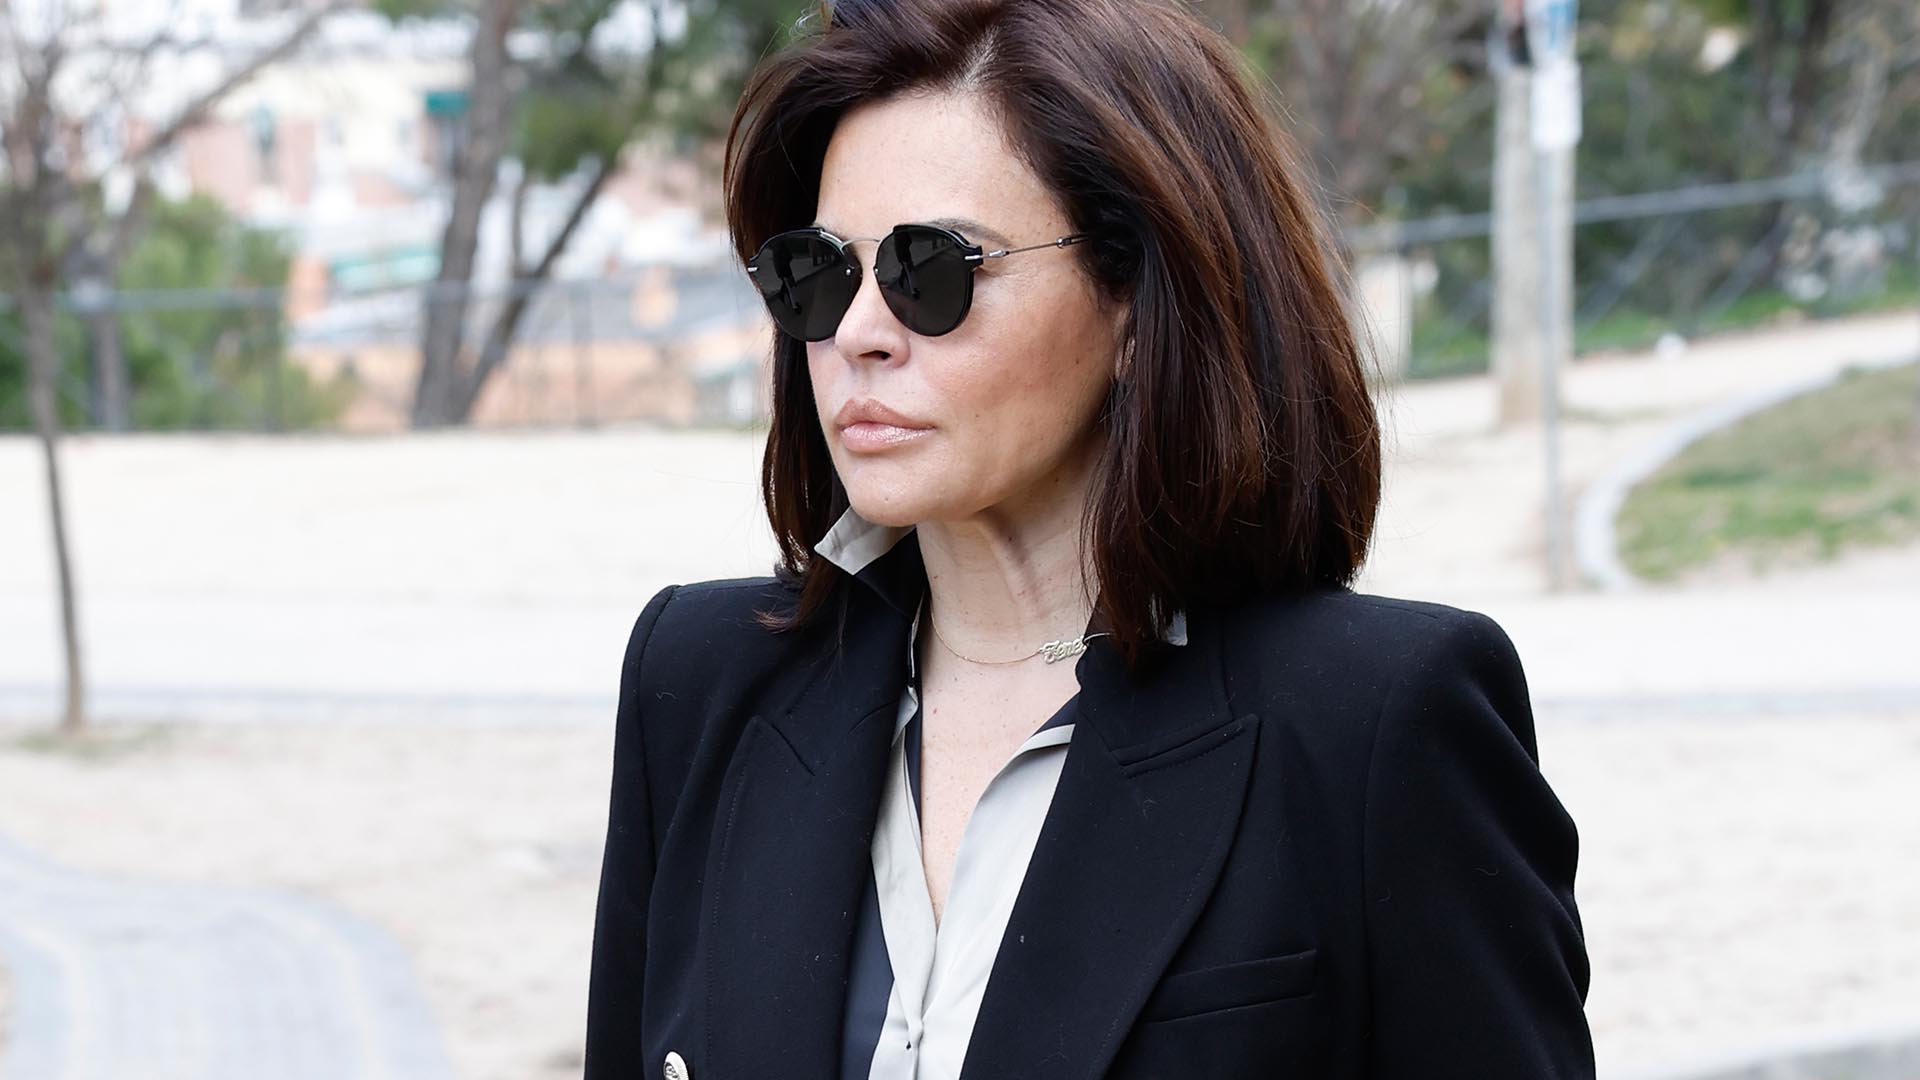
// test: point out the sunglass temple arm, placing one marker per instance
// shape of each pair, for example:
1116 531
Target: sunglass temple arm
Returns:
1004 252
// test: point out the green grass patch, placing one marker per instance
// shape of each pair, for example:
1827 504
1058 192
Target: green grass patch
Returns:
98 743
1801 482
1446 344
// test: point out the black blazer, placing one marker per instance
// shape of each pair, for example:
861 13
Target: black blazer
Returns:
1311 843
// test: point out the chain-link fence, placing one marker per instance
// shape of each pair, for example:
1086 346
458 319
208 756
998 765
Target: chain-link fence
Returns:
687 344
1685 262
672 344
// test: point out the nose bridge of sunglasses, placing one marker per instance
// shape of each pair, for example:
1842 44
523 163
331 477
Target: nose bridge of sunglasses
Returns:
871 263
887 286
891 267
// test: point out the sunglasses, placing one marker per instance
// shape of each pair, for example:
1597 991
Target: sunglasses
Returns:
808 277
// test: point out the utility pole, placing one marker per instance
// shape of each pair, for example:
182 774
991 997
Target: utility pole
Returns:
1533 296
1518 348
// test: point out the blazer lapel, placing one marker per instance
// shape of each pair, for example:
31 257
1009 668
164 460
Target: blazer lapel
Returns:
790 858
1133 843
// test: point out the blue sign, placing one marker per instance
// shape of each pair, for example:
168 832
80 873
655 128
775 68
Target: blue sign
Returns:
1550 30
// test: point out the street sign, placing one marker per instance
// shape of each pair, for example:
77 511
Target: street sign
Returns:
1551 27
1556 106
1550 30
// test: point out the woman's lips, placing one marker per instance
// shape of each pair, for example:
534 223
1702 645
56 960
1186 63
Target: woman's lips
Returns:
869 435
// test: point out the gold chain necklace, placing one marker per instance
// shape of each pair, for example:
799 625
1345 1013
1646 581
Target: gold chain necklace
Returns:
1053 651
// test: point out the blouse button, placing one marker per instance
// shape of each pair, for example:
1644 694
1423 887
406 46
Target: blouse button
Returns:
676 1067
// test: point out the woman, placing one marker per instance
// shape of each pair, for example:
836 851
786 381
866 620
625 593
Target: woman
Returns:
1059 745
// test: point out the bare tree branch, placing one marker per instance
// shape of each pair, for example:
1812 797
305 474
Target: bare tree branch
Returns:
196 111
507 323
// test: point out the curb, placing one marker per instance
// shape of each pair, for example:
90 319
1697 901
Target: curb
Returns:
1870 1053
39 705
1596 547
116 977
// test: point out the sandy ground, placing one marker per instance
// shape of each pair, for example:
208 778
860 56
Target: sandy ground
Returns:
478 849
1745 868
1739 875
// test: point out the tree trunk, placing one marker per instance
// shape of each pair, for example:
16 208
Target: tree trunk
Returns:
506 325
489 114
112 403
1518 348
43 394
99 260
1790 113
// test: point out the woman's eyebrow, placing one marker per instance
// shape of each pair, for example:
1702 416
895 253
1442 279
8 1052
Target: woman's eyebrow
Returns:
973 229
964 226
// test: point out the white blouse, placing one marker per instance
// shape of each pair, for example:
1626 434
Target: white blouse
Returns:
915 988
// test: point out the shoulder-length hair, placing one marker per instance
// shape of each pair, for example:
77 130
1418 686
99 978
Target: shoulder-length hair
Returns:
1243 450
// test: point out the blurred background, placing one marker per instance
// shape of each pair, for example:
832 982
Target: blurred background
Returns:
365 366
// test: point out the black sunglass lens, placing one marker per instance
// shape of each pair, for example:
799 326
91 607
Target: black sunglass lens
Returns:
926 279
806 282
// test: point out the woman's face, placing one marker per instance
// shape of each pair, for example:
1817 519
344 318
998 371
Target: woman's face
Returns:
1001 412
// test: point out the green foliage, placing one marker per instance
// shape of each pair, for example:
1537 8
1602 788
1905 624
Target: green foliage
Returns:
1657 116
585 102
15 414
402 10
696 80
194 362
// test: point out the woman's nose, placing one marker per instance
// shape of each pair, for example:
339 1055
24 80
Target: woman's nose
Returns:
870 330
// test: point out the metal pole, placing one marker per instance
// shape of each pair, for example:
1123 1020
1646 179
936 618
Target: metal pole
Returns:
582 303
278 353
1554 129
1552 332
1514 325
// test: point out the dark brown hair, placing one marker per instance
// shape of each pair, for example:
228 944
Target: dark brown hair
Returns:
1243 452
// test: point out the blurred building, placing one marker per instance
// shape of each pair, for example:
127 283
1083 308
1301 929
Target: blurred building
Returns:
349 149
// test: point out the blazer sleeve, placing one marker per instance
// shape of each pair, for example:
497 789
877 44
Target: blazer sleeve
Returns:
626 878
1476 955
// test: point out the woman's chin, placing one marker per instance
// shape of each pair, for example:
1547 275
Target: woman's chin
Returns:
898 500
889 489
890 511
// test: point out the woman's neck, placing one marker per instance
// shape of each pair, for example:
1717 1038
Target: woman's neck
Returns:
1008 579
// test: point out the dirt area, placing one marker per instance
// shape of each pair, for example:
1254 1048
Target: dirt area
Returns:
478 850
1742 877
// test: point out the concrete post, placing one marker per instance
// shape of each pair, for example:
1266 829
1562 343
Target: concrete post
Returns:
1518 329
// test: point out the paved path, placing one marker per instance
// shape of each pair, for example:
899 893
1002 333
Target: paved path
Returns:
114 980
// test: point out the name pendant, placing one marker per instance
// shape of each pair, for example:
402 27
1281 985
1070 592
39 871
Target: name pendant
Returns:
1055 651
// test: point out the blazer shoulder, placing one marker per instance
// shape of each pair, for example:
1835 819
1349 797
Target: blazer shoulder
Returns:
691 635
705 610
1333 646
696 651
1465 640
1344 623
